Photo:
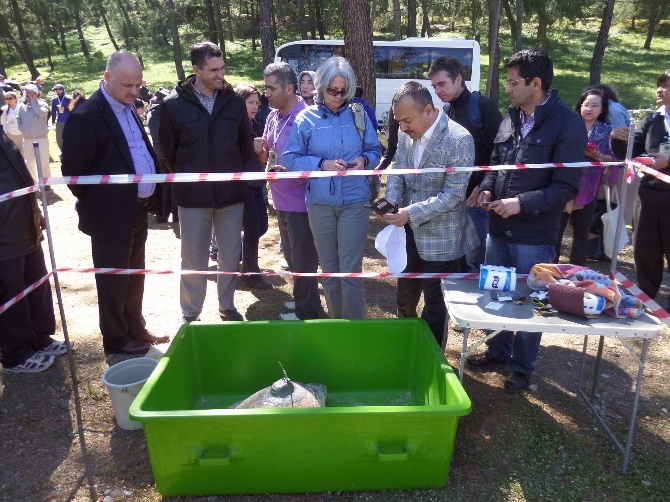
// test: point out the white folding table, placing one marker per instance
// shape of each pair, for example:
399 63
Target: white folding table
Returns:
467 306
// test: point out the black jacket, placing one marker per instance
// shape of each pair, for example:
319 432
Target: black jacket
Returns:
94 143
559 135
491 118
20 232
193 141
648 138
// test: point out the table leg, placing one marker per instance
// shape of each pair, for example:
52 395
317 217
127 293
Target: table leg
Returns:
461 369
633 415
445 334
583 364
596 371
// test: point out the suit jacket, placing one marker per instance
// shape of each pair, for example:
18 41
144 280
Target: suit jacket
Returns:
439 218
94 143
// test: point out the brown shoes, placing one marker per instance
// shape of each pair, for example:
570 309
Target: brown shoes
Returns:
133 347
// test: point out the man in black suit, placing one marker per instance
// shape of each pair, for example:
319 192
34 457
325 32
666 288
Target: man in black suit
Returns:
104 136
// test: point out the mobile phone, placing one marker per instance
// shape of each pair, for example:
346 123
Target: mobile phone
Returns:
273 159
351 165
382 206
485 203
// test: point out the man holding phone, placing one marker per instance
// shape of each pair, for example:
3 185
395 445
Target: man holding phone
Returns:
438 229
288 195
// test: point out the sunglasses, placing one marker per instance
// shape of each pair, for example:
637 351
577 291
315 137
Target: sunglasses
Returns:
336 92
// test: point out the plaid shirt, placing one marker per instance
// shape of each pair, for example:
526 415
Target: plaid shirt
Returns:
438 215
206 101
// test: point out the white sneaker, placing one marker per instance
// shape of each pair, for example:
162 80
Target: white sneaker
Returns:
55 348
34 364
283 264
289 305
289 317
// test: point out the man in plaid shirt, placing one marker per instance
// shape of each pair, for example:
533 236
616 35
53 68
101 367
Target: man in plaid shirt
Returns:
437 225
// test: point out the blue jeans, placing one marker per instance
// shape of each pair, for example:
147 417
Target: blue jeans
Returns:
340 233
480 217
521 349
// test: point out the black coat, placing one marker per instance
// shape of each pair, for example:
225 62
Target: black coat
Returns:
94 144
559 135
20 232
648 138
193 141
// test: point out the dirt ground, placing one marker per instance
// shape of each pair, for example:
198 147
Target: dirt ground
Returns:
60 445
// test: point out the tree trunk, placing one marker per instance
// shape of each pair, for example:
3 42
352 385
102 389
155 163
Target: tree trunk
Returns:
358 45
59 24
129 33
24 48
411 18
303 21
80 32
519 25
212 34
312 19
655 15
267 41
274 21
493 81
425 25
103 14
2 63
397 20
231 35
176 46
601 43
373 14
542 32
510 18
47 49
321 26
254 45
216 5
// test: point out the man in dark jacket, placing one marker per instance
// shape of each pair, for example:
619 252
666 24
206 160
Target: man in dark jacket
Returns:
104 135
26 327
204 128
446 76
526 204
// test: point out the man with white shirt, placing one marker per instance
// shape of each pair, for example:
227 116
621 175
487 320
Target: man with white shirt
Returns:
438 229
104 136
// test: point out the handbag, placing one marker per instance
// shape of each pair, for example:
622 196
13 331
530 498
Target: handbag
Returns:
610 219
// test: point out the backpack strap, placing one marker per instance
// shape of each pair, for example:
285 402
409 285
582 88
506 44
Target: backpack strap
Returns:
475 115
359 118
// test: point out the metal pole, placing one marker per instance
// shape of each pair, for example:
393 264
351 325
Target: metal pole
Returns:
45 209
620 224
636 401
596 371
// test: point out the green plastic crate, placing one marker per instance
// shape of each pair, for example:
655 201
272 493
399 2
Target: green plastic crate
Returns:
390 421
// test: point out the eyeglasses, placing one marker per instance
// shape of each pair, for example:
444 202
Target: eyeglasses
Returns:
514 82
336 92
591 105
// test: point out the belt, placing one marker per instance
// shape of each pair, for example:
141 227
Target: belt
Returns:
143 201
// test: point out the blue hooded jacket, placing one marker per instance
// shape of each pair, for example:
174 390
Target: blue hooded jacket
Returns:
317 134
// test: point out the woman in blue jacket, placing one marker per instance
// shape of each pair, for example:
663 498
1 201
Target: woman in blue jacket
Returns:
325 138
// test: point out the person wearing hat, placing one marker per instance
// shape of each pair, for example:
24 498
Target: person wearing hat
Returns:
32 120
59 112
9 119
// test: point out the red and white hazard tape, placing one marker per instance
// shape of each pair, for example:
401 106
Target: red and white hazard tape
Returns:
355 275
634 290
25 292
651 171
270 176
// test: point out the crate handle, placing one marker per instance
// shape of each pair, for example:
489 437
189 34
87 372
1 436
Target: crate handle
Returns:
198 457
392 452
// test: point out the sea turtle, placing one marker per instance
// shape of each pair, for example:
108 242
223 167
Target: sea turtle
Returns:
285 393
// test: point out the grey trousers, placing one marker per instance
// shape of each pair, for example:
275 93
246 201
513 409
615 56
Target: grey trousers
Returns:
340 233
195 225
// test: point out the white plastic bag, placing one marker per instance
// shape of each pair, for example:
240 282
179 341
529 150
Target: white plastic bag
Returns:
390 242
610 219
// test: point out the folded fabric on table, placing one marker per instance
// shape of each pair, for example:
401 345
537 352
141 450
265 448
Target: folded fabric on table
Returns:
617 303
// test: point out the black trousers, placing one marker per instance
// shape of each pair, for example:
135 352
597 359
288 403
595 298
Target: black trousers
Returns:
120 296
27 325
651 237
301 256
254 224
409 290
581 220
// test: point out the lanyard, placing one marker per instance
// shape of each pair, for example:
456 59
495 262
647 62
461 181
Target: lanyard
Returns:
278 134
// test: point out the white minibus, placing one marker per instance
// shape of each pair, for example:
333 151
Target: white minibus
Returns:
395 62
